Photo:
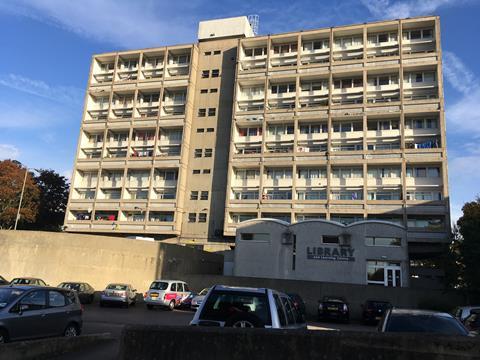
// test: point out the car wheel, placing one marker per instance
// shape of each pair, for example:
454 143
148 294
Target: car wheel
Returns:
244 320
71 331
3 337
149 307
171 305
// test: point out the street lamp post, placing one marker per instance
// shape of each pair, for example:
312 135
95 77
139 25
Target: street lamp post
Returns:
21 198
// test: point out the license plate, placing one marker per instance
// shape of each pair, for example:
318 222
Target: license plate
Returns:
154 296
333 308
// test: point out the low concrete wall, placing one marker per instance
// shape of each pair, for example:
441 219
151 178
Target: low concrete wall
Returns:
195 343
356 295
98 260
49 348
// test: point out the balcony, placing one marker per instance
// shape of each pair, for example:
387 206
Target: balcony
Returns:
106 215
347 91
84 193
110 193
164 193
116 152
174 103
91 153
418 40
253 58
245 178
250 98
424 126
122 106
153 66
315 51
244 193
178 63
279 147
312 146
97 107
348 48
313 131
168 150
142 151
382 44
313 94
421 85
248 148
346 194
347 145
137 193
103 70
283 55
423 143
384 144
382 89
383 128
347 129
127 68
311 193
385 194
384 176
281 101
148 105
277 193
161 216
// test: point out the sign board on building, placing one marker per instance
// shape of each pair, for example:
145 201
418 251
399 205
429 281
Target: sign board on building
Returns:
330 253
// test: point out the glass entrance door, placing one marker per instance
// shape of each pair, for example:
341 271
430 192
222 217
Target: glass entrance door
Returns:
393 276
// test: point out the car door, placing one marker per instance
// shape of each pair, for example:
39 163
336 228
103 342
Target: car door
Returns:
181 293
289 312
27 317
57 312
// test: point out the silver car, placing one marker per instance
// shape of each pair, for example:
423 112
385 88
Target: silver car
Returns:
242 307
197 300
121 294
28 312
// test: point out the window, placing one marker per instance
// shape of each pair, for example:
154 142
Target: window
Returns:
210 129
212 111
328 239
313 128
283 88
161 216
383 241
202 217
215 73
311 173
195 171
203 91
212 91
202 112
217 52
208 153
198 153
347 173
35 300
281 314
194 195
56 299
277 174
238 218
206 171
204 195
207 53
205 74
192 217
200 130
255 236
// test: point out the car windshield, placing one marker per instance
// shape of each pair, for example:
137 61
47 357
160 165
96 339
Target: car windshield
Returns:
159 285
71 286
425 324
21 281
117 287
222 305
8 295
203 292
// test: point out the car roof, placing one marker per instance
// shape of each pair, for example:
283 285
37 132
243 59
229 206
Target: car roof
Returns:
169 281
73 282
31 287
121 284
26 278
238 288
396 311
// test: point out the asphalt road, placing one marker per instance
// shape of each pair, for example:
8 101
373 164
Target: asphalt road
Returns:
112 320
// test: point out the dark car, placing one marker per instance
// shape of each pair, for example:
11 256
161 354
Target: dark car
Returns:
28 281
28 312
333 308
299 304
472 322
3 281
421 321
373 310
86 293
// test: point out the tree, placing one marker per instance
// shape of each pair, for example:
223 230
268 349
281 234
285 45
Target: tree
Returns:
54 190
469 245
12 174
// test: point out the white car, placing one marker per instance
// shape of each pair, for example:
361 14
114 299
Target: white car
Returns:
169 293
228 306
197 300
122 294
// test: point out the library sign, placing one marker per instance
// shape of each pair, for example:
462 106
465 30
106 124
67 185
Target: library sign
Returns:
329 253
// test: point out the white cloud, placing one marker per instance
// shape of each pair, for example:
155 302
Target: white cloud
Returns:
63 94
8 151
121 22
387 9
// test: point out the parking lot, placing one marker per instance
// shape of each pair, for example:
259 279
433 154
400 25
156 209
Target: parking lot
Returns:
112 320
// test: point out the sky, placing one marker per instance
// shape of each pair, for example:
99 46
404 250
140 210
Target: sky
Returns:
47 45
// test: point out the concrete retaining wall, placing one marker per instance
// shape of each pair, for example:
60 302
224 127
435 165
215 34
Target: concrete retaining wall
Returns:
195 343
98 260
312 291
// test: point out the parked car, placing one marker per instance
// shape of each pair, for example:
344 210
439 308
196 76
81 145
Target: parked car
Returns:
197 300
86 293
166 293
299 304
421 321
373 310
186 303
243 307
28 312
28 281
462 312
3 281
120 294
333 308
472 322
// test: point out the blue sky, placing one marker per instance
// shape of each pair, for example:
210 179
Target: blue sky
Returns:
47 46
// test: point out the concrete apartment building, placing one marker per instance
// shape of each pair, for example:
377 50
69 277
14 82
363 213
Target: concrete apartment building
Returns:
345 124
